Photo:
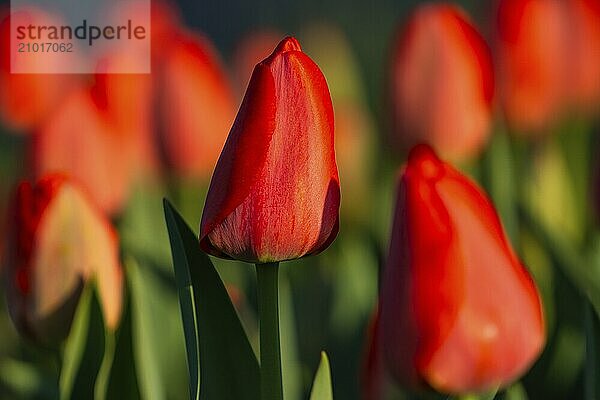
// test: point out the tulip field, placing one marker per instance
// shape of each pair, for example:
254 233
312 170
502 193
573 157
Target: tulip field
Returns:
270 201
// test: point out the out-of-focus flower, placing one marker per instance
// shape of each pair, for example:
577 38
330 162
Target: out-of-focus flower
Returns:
57 241
196 106
126 101
79 140
584 74
254 47
274 195
354 130
531 62
459 311
442 83
26 99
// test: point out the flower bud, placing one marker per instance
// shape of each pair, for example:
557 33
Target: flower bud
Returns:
275 193
57 241
531 62
81 141
196 106
26 99
442 83
459 312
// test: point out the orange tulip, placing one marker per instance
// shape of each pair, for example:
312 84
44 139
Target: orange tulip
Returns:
531 62
274 195
459 312
442 83
126 101
79 140
57 241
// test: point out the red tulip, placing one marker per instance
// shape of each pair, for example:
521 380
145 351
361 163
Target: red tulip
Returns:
80 140
57 240
126 101
442 83
584 75
531 52
197 106
275 194
459 312
26 99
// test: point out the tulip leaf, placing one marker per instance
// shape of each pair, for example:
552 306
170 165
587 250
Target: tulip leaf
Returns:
84 349
123 382
321 389
221 362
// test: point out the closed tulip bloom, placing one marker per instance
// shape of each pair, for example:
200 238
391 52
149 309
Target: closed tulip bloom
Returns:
197 106
58 240
531 62
584 76
442 83
81 141
275 193
26 99
459 312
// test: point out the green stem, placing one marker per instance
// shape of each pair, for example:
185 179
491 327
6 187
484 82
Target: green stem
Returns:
271 387
590 349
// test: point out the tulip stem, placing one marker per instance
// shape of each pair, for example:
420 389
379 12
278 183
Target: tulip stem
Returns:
271 387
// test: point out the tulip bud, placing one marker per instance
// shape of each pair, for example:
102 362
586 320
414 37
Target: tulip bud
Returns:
26 99
442 83
197 106
459 312
57 241
81 141
584 74
531 60
125 101
275 193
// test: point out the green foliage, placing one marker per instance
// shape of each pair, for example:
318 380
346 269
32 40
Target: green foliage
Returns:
221 362
321 389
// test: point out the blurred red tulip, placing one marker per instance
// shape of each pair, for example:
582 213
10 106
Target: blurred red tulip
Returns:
459 312
126 101
196 106
26 98
584 75
442 83
531 62
79 140
254 47
274 195
58 240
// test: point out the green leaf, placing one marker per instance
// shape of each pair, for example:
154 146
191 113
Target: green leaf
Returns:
84 349
123 383
321 389
221 362
157 331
